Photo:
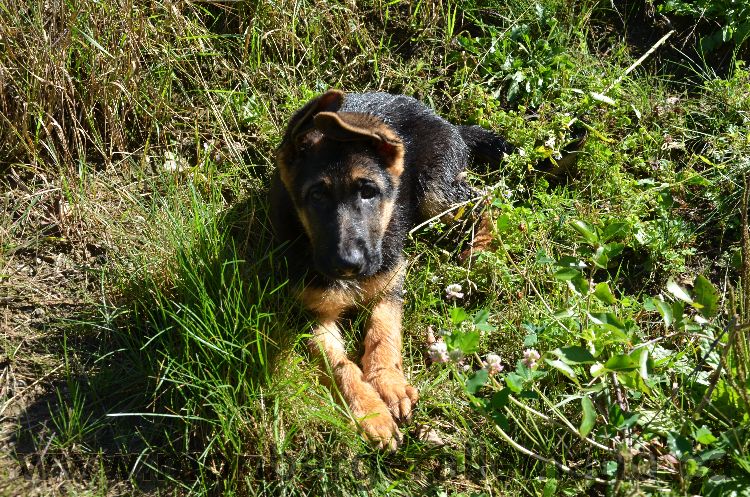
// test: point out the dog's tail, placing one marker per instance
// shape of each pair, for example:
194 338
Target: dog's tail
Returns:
485 146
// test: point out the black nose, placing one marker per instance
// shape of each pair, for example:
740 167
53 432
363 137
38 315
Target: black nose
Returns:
350 263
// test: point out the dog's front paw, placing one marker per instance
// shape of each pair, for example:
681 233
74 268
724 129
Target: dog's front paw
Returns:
377 424
398 395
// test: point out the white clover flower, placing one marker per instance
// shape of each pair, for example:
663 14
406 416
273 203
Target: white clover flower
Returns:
453 292
438 352
493 364
531 358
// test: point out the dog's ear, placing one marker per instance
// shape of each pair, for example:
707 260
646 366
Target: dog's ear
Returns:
301 121
352 126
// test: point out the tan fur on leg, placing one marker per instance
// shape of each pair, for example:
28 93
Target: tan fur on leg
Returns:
369 411
382 362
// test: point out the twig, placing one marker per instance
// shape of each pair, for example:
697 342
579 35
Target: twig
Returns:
22 392
557 423
447 211
530 453
638 62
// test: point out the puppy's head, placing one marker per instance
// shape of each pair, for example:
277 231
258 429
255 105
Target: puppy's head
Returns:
342 171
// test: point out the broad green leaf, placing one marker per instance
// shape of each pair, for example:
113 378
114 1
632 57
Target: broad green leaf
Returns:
566 274
579 285
704 436
550 487
500 399
678 445
678 291
640 357
665 310
503 222
514 382
621 419
569 261
620 363
632 381
476 381
589 417
597 369
614 229
603 293
468 342
608 320
586 230
706 296
530 340
574 355
613 249
563 368
458 315
600 259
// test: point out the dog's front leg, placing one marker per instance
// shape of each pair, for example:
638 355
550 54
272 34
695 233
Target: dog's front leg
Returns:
370 412
382 362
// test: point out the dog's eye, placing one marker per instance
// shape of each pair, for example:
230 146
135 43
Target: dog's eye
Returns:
317 195
367 191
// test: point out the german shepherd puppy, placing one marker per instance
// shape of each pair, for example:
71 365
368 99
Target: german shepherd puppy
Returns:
355 173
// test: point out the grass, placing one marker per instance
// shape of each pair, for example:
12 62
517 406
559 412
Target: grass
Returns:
150 344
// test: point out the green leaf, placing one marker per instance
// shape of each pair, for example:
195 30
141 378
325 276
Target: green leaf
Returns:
678 291
589 417
706 297
514 382
563 368
665 310
586 230
566 274
704 436
607 320
613 249
569 261
621 419
503 222
614 229
620 363
530 340
600 259
550 487
678 445
458 315
476 381
467 342
633 381
500 399
480 320
579 284
574 355
603 293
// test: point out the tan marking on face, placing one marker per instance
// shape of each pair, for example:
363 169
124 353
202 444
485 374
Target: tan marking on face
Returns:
396 166
283 156
386 213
